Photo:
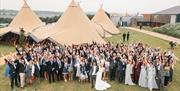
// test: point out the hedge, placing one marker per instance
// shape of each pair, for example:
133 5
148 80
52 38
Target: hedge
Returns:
169 29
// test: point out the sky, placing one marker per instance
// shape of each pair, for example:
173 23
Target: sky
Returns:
118 6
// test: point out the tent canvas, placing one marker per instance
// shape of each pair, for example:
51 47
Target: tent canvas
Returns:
101 19
25 19
74 27
101 31
5 30
42 33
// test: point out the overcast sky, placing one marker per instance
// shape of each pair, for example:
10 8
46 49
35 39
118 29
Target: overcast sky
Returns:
119 6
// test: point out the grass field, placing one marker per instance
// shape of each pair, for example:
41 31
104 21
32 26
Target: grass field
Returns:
76 86
6 49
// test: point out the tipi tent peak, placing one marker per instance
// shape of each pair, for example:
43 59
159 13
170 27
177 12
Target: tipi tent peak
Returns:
103 20
25 19
74 27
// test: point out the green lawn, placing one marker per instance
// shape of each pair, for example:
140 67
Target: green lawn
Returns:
76 86
6 49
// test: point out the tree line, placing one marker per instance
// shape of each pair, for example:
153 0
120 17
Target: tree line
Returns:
47 20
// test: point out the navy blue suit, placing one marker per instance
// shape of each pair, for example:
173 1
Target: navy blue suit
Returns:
121 69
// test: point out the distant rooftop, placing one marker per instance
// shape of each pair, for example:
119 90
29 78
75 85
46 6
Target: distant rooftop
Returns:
170 11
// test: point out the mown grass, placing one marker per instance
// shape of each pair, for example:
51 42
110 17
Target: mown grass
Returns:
76 86
6 49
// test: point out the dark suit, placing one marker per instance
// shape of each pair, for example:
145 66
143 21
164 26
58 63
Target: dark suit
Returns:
37 71
93 76
43 67
121 69
124 36
50 69
128 36
21 68
58 70
113 65
88 68
13 74
17 64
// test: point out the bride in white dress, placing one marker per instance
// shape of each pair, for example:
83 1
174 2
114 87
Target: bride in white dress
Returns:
151 77
128 79
100 84
143 76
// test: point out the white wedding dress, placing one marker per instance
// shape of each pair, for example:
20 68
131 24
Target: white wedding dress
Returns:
128 79
151 78
100 84
143 77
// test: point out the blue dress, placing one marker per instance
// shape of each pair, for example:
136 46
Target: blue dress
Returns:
7 70
65 69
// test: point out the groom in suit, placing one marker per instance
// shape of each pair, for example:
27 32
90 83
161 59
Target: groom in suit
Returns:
113 65
93 72
160 75
122 69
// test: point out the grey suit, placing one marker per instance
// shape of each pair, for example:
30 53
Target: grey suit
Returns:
160 75
93 76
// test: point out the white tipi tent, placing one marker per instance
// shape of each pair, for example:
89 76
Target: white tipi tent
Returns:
101 19
75 28
25 19
101 31
42 33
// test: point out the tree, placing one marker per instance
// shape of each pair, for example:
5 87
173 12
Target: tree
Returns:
90 16
48 20
21 37
5 20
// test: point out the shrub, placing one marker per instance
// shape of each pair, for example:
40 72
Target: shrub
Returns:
169 29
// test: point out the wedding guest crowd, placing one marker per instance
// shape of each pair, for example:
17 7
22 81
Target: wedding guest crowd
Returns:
132 64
